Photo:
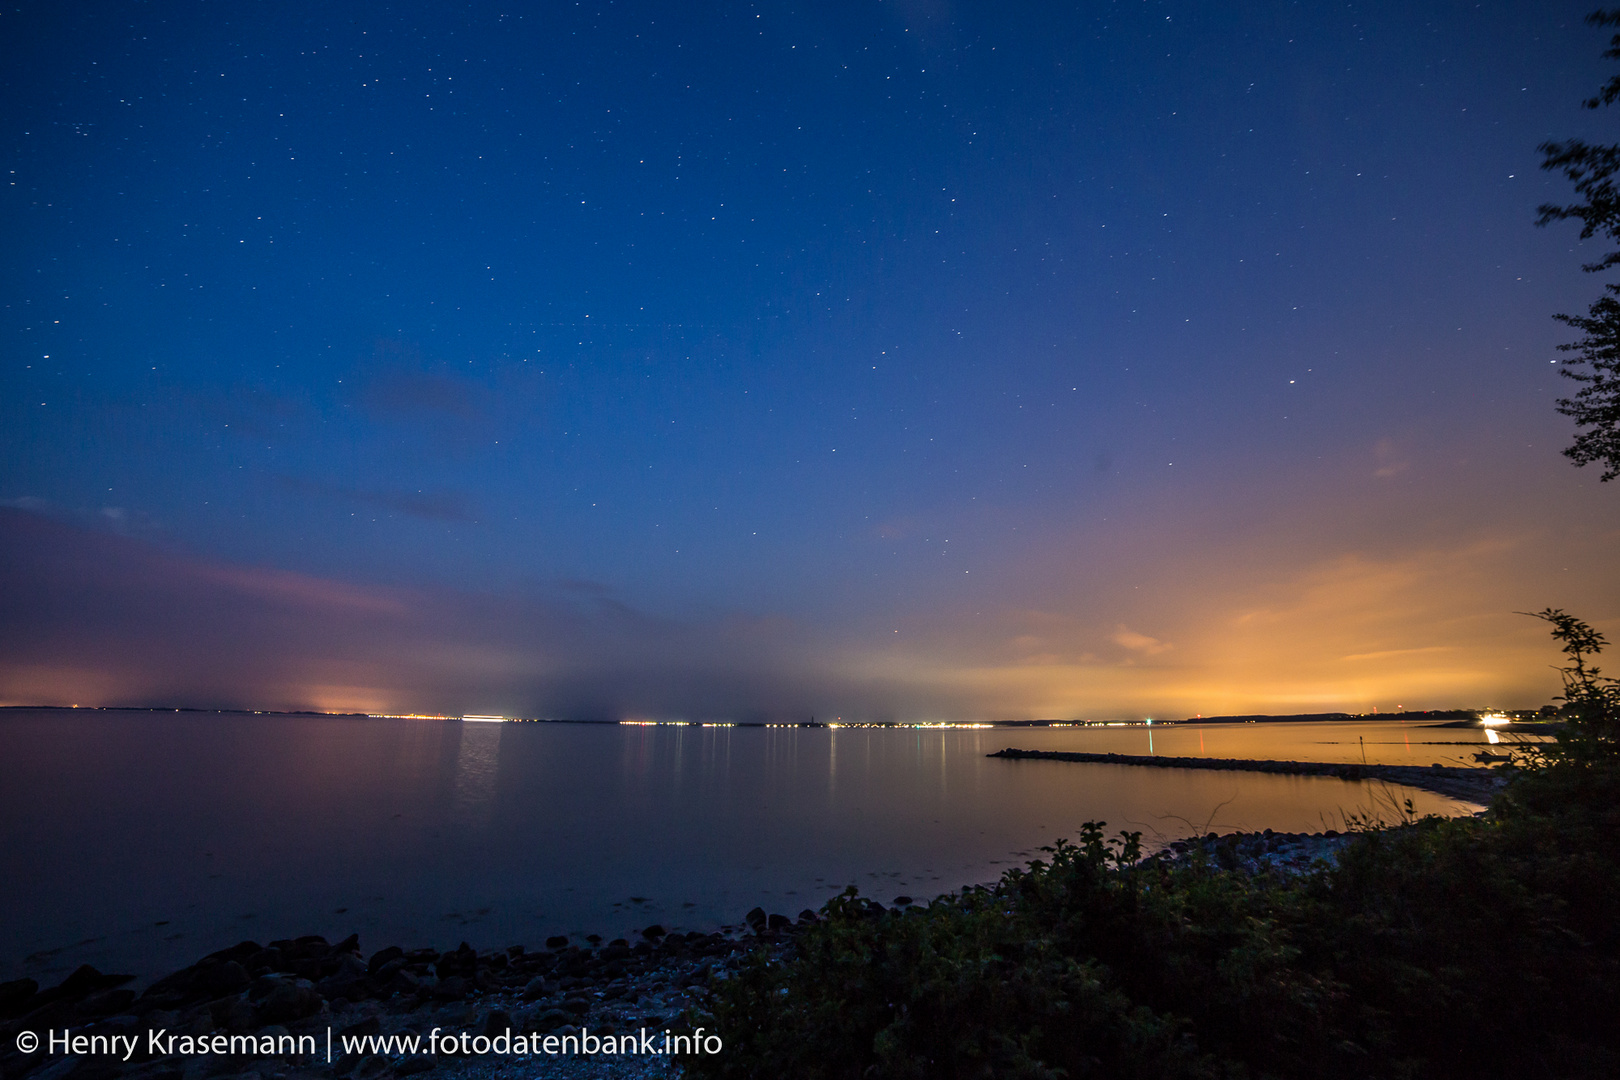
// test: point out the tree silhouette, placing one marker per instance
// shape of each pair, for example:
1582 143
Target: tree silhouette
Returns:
1595 364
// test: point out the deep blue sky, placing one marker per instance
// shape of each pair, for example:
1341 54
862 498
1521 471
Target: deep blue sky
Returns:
904 358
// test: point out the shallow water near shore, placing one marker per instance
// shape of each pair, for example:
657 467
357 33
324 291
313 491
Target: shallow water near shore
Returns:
138 841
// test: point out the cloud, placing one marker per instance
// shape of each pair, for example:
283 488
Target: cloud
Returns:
453 506
1140 643
116 519
99 619
397 385
1388 460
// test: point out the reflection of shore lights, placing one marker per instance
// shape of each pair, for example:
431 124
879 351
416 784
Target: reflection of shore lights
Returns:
484 719
1495 719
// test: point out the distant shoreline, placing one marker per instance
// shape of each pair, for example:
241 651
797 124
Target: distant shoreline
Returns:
1458 718
1470 785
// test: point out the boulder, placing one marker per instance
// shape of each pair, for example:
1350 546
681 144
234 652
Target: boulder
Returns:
236 1016
496 1022
15 996
220 979
371 1025
372 1065
383 957
107 1003
350 980
453 988
290 1000
545 1021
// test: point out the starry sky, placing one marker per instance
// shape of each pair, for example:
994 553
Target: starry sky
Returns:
892 359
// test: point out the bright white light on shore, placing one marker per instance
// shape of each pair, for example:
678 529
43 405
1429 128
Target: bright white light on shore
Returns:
484 719
1495 719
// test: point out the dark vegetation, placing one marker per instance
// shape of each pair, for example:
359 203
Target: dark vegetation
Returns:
1595 363
1474 947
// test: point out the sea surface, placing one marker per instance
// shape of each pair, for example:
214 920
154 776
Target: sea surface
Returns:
139 841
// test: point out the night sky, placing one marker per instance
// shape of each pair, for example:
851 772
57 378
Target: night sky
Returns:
887 360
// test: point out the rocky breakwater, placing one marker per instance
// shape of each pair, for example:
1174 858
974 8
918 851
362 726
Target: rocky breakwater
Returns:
281 1000
1467 784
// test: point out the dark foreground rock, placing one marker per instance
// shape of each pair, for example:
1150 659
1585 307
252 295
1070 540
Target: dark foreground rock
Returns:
282 999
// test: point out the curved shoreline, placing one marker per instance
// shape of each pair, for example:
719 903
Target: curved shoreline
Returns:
1467 784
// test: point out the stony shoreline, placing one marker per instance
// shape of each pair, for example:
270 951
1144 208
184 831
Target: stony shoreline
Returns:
1468 784
307 987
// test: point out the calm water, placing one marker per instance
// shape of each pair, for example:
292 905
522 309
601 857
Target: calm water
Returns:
140 841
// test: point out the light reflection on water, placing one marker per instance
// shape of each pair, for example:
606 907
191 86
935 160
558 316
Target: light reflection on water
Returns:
224 827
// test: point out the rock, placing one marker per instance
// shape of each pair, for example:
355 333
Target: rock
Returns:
289 1001
546 1021
370 1066
383 957
381 975
217 980
84 981
577 1005
653 932
902 901
14 996
808 916
404 981
535 988
350 980
51 1014
416 1063
462 961
369 1026
756 918
345 1064
236 1016
262 986
107 1003
779 922
264 960
350 944
238 952
496 1022
557 942
453 988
